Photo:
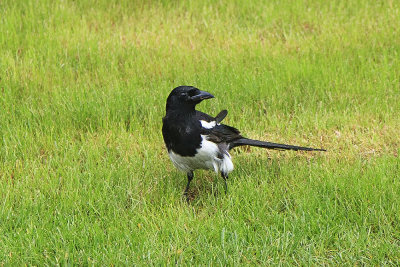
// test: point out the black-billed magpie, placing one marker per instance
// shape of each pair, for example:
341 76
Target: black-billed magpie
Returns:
196 140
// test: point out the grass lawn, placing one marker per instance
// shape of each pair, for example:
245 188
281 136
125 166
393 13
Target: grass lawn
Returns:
84 175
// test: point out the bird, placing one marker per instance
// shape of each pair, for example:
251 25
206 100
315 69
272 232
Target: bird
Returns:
196 140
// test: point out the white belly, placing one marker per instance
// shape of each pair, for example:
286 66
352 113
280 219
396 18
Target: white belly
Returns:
206 158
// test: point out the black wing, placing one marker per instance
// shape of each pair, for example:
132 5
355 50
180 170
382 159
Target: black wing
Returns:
221 116
222 133
205 117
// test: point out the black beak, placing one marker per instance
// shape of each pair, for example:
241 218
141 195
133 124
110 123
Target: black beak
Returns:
201 96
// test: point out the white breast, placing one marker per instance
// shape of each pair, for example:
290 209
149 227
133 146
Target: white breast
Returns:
205 158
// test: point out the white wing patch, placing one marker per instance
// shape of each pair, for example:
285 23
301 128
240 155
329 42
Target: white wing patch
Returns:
208 125
206 158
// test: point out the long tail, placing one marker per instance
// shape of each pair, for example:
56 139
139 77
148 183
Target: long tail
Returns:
269 145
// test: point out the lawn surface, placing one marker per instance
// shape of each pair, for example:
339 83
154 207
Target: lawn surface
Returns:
84 175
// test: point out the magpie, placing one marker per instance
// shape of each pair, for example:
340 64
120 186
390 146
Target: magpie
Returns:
196 140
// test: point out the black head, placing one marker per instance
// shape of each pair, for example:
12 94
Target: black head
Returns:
186 97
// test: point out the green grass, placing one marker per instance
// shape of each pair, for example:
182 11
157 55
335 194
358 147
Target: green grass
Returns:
84 175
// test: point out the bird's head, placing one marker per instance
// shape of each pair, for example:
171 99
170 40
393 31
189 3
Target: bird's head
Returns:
186 97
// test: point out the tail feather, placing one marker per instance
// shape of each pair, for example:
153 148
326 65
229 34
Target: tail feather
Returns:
269 145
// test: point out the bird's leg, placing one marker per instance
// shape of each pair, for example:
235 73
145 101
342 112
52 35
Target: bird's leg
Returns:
225 176
190 178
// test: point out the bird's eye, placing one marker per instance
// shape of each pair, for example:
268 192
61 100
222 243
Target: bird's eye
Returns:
183 94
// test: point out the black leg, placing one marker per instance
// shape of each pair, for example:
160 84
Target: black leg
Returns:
225 176
190 178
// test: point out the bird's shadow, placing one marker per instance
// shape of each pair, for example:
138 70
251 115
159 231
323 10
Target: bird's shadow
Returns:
205 184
